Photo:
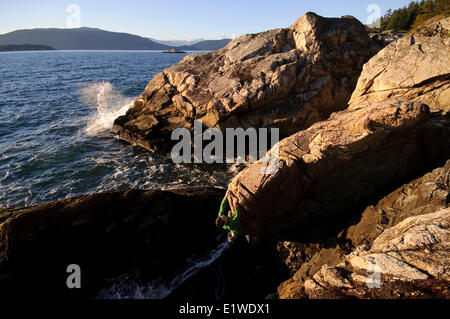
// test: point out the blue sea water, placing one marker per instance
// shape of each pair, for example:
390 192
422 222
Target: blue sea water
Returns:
56 112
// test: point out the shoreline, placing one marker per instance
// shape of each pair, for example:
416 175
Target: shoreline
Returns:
357 206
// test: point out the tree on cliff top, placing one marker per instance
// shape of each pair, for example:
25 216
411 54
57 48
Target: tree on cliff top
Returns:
414 14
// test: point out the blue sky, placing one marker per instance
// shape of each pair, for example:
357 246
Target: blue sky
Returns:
179 19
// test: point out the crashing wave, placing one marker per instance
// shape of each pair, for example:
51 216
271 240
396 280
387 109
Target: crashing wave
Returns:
109 104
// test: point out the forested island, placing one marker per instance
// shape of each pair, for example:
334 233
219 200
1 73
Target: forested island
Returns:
24 47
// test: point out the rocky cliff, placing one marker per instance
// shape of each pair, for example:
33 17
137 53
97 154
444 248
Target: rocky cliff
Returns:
375 144
107 234
333 214
405 261
424 203
414 68
338 164
286 78
329 170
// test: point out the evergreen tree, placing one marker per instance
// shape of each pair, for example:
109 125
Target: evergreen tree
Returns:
414 14
442 6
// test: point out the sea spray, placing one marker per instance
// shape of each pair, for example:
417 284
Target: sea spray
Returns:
109 104
127 288
47 155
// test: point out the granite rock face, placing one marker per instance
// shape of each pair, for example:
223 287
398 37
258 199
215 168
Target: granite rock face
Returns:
414 68
386 37
286 78
338 164
409 260
426 195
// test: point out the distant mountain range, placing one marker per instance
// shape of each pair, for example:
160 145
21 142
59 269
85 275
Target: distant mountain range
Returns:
97 39
177 43
206 45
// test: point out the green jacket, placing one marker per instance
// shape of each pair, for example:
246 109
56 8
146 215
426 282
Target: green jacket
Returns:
233 223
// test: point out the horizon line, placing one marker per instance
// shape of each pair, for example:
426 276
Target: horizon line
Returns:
122 32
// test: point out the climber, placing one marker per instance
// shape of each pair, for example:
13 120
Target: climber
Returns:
229 222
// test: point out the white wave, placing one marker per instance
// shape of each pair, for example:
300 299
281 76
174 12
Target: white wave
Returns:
129 289
109 104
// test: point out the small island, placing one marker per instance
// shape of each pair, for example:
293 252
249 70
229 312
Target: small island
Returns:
173 51
25 47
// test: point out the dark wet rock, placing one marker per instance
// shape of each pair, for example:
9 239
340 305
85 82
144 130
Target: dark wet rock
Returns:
106 234
409 260
243 272
424 195
375 228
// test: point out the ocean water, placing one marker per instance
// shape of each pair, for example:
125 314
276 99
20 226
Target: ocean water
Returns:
56 113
